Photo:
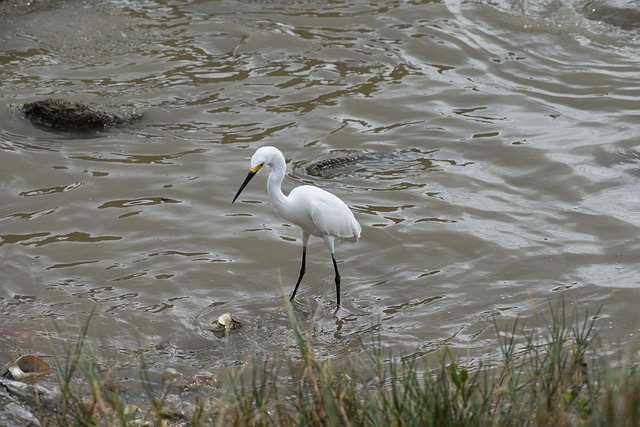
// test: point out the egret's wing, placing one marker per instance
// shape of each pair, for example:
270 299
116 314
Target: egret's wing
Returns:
331 216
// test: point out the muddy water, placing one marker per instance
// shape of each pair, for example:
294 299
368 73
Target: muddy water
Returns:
508 174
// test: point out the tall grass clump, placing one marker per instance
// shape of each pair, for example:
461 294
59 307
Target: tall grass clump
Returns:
539 376
542 376
91 395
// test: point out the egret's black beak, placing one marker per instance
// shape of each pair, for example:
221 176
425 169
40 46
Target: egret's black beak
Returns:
244 184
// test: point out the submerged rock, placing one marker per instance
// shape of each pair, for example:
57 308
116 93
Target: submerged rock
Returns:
624 14
61 114
17 7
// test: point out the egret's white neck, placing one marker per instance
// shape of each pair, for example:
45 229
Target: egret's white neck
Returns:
278 169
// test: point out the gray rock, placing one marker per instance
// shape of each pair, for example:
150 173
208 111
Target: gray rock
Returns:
61 114
23 404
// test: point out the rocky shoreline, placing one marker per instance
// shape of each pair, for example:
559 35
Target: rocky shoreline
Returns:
25 405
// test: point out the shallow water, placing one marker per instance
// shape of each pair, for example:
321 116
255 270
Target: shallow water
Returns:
509 174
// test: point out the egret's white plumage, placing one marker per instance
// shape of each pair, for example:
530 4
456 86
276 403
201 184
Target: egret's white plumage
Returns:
317 212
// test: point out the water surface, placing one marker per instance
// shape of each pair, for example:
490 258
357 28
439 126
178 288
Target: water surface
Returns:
508 174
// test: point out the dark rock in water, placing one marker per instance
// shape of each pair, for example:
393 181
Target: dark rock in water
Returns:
18 7
61 114
624 14
329 166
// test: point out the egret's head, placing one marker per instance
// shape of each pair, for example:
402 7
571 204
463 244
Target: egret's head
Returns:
263 156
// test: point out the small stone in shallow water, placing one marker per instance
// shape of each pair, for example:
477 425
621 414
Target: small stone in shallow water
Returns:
170 376
226 322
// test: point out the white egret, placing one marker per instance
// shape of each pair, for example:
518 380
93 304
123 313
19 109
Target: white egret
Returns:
317 212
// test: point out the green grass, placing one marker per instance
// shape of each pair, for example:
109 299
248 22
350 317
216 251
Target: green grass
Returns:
546 376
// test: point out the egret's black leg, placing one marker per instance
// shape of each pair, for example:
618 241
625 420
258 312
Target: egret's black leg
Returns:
302 270
335 267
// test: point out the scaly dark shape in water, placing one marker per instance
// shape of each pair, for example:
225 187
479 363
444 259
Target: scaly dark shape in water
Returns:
326 167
